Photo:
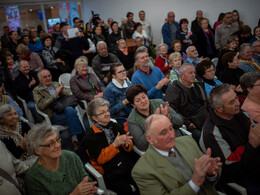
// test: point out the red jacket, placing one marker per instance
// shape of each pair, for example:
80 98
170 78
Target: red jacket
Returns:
159 62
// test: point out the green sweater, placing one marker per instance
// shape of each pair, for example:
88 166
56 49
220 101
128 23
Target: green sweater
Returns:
71 172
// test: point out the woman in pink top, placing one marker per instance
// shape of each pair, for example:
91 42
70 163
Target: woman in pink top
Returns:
250 83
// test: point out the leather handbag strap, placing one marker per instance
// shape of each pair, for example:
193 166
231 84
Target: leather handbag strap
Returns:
8 177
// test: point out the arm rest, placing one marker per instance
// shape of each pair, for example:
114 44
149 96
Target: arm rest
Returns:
184 131
136 150
238 188
45 116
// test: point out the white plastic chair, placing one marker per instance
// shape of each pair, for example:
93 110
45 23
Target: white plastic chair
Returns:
100 180
215 62
27 111
65 78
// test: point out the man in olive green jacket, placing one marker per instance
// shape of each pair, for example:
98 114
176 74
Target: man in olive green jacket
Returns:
174 166
45 94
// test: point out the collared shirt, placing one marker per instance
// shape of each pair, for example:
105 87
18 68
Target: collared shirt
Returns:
150 70
192 85
117 84
51 90
194 62
165 153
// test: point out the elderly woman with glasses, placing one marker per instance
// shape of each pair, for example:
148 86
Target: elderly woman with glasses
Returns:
13 132
250 83
115 93
85 85
109 149
206 71
143 108
56 171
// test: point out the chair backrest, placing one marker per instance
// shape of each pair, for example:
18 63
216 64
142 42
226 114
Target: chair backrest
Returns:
215 62
65 78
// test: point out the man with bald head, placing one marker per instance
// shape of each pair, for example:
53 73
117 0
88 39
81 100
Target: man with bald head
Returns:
195 25
173 165
169 29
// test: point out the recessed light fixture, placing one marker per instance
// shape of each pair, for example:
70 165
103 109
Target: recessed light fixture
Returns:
30 10
52 7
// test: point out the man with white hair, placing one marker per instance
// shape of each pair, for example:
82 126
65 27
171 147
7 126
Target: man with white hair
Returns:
174 165
189 99
102 61
193 56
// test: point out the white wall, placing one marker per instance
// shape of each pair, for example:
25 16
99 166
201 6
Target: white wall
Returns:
156 10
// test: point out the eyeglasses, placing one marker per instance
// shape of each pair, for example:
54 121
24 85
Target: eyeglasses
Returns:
121 72
46 76
104 112
52 143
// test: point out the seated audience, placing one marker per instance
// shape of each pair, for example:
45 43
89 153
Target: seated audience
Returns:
175 62
176 47
33 58
256 51
115 36
24 84
46 93
256 35
12 131
126 57
193 56
189 100
232 72
55 65
102 61
150 77
145 23
14 168
206 40
139 32
162 61
115 93
229 134
185 35
174 165
11 67
85 85
244 34
35 44
109 148
139 43
56 171
231 46
206 70
143 108
250 83
246 61
97 35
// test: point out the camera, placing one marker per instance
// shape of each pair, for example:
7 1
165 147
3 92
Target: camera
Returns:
95 18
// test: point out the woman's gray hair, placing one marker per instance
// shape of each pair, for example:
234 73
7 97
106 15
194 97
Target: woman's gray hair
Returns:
248 80
243 47
101 43
174 55
4 109
162 44
94 105
37 135
82 60
140 49
215 96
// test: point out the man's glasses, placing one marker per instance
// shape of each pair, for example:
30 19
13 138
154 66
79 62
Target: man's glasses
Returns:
104 112
52 143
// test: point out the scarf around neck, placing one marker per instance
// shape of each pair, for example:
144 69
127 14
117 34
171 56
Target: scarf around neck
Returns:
110 136
14 135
